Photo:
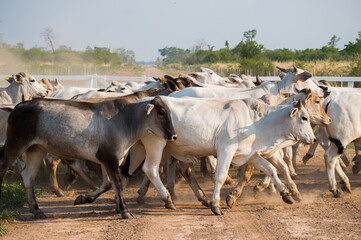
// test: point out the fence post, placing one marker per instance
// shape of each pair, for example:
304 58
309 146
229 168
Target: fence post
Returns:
350 84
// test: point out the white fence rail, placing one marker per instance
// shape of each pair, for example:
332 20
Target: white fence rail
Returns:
97 81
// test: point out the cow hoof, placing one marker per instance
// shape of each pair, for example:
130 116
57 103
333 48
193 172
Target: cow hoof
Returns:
294 176
127 215
356 168
286 198
40 215
229 181
206 202
306 158
83 199
140 201
256 189
336 193
79 200
216 210
170 205
58 193
345 188
230 201
297 196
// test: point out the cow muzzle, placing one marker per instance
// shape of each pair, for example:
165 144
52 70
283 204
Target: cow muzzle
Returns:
172 138
311 140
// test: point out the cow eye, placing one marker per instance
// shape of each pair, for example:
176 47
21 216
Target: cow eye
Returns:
161 112
304 118
32 80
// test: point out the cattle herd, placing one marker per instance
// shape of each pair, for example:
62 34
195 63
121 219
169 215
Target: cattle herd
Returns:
177 121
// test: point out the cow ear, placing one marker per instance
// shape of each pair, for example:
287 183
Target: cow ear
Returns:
168 77
171 85
19 78
233 79
296 109
182 75
149 108
56 83
294 112
195 75
303 76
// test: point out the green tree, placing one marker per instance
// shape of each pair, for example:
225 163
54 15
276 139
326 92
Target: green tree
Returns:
173 54
250 35
333 41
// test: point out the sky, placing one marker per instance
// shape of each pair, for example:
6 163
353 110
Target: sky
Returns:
145 26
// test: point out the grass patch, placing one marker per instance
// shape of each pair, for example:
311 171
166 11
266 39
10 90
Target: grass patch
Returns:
12 197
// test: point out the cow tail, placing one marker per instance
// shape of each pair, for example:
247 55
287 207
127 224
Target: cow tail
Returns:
124 169
338 144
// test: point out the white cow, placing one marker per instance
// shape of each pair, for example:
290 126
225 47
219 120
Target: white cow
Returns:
290 83
208 76
234 130
22 87
345 112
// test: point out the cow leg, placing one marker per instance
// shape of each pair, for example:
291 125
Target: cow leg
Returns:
171 176
70 177
224 161
213 164
310 153
345 183
111 164
52 165
281 166
33 158
76 166
262 185
331 158
204 169
151 167
245 173
143 189
357 160
188 175
288 157
265 166
91 197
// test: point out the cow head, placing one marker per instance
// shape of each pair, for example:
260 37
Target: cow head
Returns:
293 82
26 86
118 87
208 76
313 105
161 122
47 85
300 120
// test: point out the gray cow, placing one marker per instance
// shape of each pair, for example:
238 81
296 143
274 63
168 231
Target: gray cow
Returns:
97 130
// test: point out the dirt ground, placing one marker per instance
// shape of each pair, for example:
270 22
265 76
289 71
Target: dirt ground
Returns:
318 216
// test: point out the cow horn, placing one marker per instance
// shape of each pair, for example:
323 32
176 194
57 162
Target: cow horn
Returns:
294 69
281 69
258 80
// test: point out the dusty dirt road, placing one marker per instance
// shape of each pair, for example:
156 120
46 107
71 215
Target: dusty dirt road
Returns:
318 216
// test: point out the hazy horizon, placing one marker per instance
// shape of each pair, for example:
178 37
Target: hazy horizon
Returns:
146 26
